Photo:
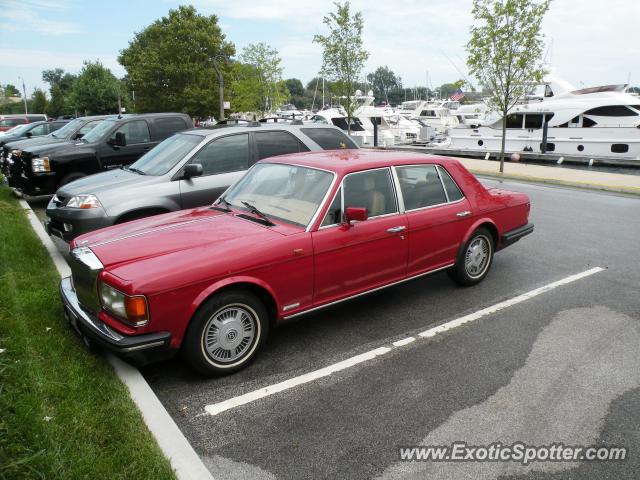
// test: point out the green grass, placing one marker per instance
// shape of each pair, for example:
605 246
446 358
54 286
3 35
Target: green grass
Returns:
63 412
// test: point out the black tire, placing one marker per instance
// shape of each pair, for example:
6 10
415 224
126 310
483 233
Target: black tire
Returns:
203 328
71 177
463 272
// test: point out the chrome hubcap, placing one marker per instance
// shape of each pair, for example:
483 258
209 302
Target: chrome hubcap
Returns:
229 334
477 257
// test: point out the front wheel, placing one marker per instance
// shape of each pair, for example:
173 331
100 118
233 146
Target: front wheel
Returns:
474 260
226 333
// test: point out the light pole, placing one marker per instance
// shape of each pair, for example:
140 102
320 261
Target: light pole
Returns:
24 96
220 85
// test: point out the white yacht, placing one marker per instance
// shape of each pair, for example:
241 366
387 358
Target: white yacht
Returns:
392 127
436 114
597 121
338 116
289 111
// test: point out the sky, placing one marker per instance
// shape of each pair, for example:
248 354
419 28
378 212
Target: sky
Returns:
594 42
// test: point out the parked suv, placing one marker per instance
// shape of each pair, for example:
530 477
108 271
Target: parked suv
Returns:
10 121
187 170
73 130
30 130
114 143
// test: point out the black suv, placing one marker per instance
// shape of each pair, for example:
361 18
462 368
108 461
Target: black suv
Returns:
72 130
114 143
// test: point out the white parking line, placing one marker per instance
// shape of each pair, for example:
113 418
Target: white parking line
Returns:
234 402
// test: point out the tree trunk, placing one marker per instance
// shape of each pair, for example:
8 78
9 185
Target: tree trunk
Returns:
504 134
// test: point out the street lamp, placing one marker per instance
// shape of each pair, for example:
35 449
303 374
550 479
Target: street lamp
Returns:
24 96
220 85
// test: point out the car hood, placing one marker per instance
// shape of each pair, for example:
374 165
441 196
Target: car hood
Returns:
33 142
51 147
110 182
177 232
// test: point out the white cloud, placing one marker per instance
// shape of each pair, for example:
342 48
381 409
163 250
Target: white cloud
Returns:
26 15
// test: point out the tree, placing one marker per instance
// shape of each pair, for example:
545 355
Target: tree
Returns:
39 101
383 80
267 65
170 63
296 92
11 91
245 89
343 54
56 106
96 90
504 51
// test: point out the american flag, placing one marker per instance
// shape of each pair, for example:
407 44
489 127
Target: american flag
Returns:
457 95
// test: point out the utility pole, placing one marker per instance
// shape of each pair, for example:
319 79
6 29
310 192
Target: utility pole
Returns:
24 96
220 88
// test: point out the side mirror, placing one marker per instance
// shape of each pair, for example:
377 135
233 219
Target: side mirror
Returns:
121 140
355 214
29 134
192 170
78 136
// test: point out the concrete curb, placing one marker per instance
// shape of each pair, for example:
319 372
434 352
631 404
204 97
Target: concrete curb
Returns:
553 181
183 458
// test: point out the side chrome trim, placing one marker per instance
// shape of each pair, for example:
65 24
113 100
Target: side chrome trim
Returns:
319 307
289 307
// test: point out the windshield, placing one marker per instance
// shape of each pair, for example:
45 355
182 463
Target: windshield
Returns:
166 155
286 192
98 132
68 129
20 129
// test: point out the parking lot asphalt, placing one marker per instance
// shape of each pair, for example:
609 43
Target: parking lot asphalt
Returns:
560 367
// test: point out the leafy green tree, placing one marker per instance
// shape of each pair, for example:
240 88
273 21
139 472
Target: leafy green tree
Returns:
343 55
39 104
95 91
383 80
11 91
170 63
56 107
245 89
505 51
296 92
267 64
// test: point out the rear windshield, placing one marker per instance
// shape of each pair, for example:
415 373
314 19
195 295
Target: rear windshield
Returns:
329 138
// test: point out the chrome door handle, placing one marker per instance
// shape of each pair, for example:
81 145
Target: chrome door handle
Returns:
466 213
396 229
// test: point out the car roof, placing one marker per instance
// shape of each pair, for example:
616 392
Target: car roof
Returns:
217 130
347 161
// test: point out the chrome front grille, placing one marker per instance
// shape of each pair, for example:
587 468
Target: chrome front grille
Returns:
85 268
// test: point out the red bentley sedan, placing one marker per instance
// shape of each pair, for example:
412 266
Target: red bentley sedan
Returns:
297 233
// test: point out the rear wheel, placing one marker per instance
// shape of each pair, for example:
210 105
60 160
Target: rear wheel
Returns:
474 259
226 333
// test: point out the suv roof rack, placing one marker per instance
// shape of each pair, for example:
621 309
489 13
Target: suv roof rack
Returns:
254 124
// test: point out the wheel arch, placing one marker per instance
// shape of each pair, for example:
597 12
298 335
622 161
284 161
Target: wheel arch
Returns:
140 213
254 285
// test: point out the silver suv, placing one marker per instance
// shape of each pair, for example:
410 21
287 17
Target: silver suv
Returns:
189 169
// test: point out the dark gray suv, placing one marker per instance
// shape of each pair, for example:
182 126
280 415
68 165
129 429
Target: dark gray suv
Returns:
189 169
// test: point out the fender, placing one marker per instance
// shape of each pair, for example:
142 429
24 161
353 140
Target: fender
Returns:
211 289
473 228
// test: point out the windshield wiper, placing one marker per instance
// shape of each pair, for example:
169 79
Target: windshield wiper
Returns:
223 201
254 210
131 169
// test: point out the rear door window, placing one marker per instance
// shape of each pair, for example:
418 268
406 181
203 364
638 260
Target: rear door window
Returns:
226 154
167 126
329 138
421 186
270 144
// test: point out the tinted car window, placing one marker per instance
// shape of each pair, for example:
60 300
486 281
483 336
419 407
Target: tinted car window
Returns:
167 154
12 122
271 144
39 130
450 186
329 138
165 127
334 214
88 127
420 186
135 132
226 154
372 190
